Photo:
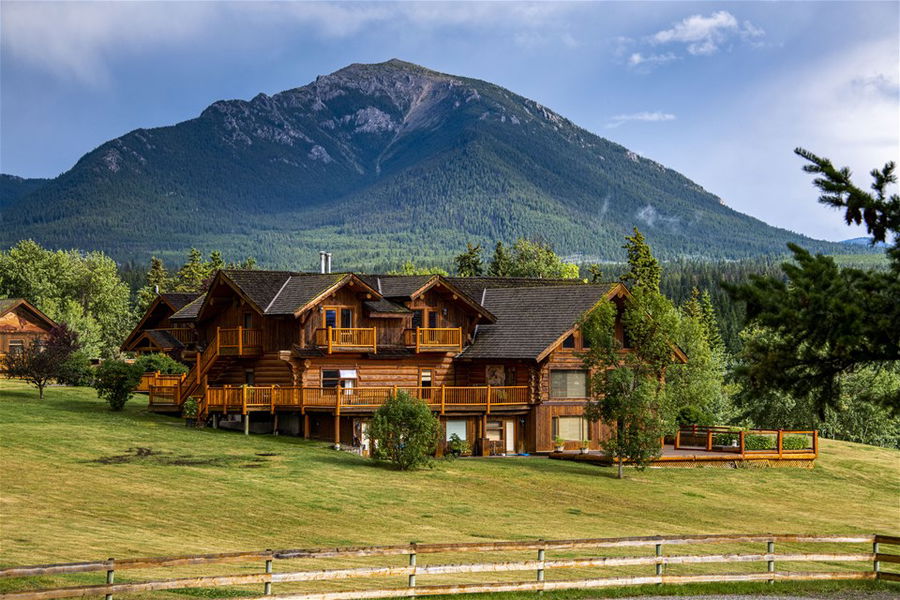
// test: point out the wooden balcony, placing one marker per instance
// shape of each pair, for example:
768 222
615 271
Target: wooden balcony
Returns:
185 335
347 339
244 399
434 339
238 341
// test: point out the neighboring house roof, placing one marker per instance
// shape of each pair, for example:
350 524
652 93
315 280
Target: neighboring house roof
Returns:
162 339
10 304
178 300
190 310
474 286
397 286
530 319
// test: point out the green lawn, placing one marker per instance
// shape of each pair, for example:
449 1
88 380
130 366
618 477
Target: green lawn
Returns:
76 487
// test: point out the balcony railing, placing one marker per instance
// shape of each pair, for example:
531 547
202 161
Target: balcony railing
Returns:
348 339
440 399
185 335
238 341
434 339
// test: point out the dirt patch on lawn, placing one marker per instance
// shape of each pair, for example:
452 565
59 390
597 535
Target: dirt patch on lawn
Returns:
149 456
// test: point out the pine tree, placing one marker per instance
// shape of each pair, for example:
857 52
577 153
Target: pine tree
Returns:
710 319
192 274
595 272
215 262
501 263
644 268
469 263
157 283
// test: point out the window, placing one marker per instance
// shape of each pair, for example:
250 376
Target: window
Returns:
346 317
425 382
571 429
417 318
337 316
432 319
249 377
494 430
510 376
16 346
568 384
569 342
330 317
458 427
330 378
248 320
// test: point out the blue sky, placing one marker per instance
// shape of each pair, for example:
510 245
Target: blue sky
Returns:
721 92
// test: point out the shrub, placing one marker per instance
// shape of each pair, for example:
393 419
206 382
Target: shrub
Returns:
190 408
795 442
457 447
165 364
760 442
115 380
725 439
693 415
76 371
42 361
404 431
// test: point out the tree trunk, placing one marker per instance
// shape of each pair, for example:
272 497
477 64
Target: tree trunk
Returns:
620 474
40 392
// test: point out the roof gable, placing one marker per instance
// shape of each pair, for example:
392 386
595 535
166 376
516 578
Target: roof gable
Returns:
8 305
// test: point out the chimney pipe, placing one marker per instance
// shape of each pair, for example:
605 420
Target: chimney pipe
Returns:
328 262
321 261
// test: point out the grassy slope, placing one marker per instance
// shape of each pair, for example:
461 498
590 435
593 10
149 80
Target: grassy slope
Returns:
59 504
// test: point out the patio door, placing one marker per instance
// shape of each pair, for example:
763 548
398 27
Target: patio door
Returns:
509 437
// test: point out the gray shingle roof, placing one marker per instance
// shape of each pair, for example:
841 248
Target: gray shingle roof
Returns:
298 290
396 286
163 339
385 306
475 286
179 300
189 311
529 319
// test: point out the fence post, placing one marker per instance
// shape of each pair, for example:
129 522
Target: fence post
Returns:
272 399
770 549
709 440
677 439
659 567
540 569
816 443
780 442
488 399
443 397
268 587
412 564
240 341
742 442
876 565
111 575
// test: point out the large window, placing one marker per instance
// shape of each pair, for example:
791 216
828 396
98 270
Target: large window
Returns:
571 429
456 426
16 346
330 378
338 317
568 384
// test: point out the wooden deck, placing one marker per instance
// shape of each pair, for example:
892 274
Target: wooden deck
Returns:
727 457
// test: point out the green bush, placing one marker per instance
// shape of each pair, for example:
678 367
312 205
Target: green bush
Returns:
165 364
725 439
76 370
190 408
115 380
457 447
693 415
760 442
795 442
404 431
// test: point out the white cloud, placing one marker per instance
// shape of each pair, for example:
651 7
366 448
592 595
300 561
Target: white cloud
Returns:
638 59
705 35
647 117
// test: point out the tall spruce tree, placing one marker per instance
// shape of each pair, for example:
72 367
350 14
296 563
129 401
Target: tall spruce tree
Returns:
644 269
827 321
157 283
469 263
501 263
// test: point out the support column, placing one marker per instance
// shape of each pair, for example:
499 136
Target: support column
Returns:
246 423
215 420
305 426
275 425
337 431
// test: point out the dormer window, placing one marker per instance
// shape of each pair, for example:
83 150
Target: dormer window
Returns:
569 342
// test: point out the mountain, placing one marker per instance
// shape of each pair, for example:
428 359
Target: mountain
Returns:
863 241
12 188
377 163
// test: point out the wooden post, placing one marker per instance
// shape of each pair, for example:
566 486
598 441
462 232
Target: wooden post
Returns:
412 564
741 436
540 569
246 423
709 440
876 566
275 425
111 575
770 549
244 399
268 588
218 340
488 399
816 443
215 420
780 442
659 567
677 438
272 399
240 341
374 340
328 334
305 426
443 397
418 335
394 391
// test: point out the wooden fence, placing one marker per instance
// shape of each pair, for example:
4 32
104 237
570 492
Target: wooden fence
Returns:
539 565
747 442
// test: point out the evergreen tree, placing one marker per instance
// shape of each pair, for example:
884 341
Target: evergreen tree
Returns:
644 269
469 263
501 263
595 273
537 259
825 321
157 283
215 262
710 319
192 274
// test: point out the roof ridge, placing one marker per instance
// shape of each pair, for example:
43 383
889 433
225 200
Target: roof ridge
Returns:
278 293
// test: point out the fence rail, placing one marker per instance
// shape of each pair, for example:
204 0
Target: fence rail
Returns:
875 558
747 442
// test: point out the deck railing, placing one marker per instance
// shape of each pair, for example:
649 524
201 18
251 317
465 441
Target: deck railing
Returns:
344 339
157 379
185 335
755 560
783 442
434 338
245 399
239 341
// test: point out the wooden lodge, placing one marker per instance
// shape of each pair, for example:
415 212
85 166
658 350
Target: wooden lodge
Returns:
314 354
21 323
